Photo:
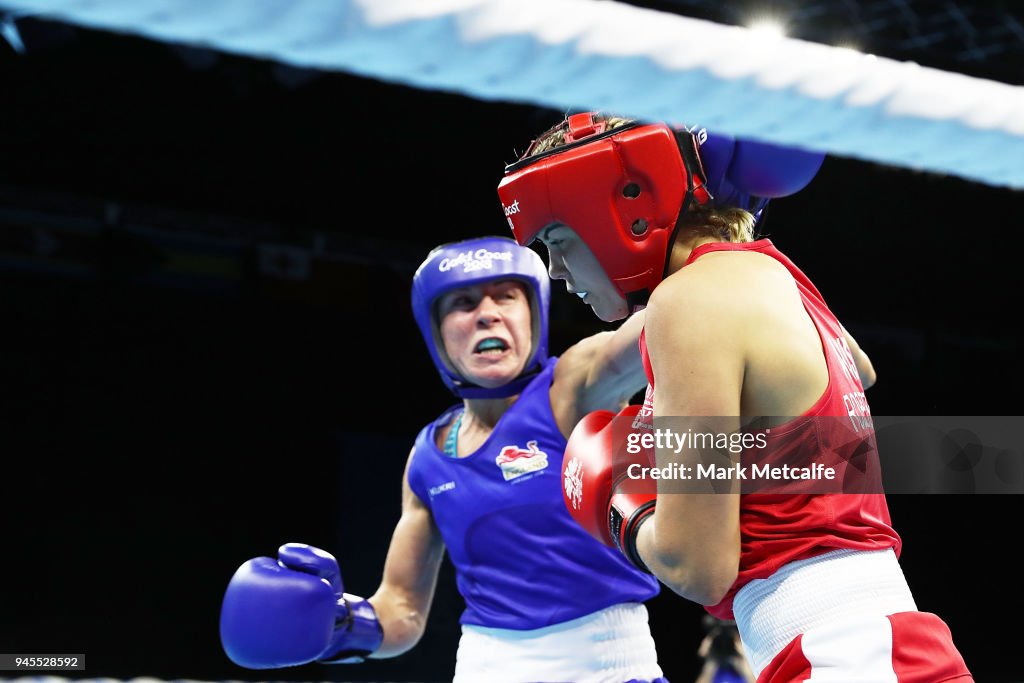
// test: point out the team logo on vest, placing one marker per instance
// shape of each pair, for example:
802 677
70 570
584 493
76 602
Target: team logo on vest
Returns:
572 482
481 259
515 461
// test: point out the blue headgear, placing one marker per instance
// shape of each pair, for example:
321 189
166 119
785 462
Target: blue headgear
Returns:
471 262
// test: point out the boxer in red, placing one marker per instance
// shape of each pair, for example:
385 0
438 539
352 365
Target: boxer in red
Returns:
735 334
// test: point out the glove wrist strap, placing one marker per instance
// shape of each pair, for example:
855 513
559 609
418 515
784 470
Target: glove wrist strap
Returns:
625 531
357 632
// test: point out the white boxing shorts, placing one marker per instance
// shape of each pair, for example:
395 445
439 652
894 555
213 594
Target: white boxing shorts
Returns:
612 645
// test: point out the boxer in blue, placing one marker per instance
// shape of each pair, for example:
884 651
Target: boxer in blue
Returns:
544 600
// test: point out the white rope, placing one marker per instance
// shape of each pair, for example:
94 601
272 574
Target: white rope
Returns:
142 679
598 54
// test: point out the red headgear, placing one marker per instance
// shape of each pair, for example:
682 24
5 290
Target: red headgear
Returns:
620 190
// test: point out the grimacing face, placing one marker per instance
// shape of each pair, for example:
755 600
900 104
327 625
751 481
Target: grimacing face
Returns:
487 331
570 259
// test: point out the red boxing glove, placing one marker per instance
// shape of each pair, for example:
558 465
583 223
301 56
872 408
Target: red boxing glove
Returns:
597 487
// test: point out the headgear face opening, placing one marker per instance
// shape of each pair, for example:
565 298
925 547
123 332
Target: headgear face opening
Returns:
620 190
473 262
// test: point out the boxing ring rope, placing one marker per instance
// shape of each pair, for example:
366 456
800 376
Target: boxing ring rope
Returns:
588 54
141 679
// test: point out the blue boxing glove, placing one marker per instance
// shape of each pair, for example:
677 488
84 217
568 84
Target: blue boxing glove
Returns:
293 611
747 173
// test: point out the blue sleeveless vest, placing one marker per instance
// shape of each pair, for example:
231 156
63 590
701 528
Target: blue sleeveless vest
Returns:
521 561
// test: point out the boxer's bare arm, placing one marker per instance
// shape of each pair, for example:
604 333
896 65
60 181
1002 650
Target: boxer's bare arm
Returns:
600 372
414 557
695 341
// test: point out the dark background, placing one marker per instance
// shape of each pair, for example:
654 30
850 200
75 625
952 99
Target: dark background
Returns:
208 350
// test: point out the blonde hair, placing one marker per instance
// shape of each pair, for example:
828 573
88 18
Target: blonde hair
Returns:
730 224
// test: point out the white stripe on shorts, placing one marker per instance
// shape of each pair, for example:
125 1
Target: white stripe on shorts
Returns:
853 649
